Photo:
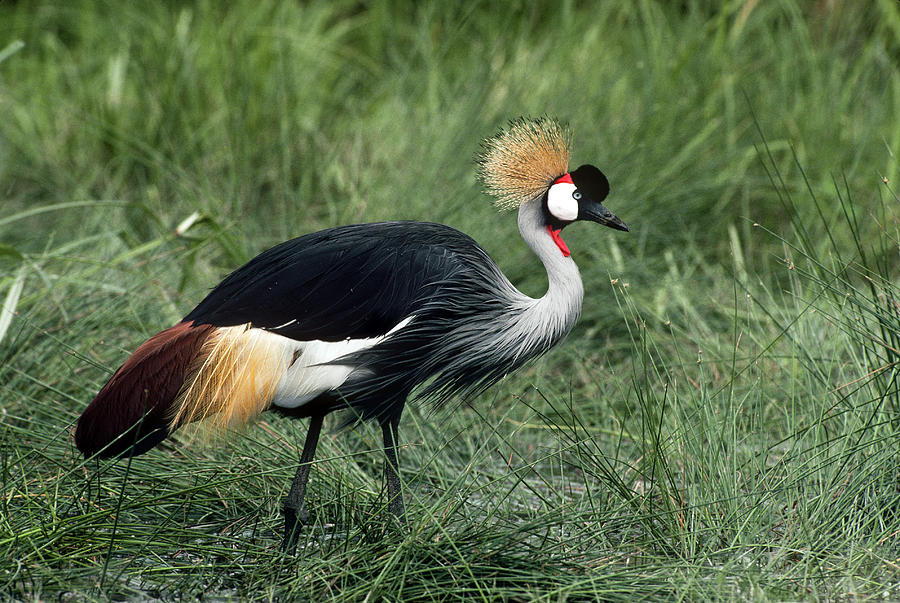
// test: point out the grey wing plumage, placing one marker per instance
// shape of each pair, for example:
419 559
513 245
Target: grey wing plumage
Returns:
351 281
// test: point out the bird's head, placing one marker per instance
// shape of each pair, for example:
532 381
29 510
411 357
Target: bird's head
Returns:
528 163
579 195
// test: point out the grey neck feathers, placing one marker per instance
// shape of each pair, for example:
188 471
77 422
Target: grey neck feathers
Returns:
552 316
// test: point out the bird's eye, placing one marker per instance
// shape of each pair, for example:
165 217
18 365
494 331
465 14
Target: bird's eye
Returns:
576 194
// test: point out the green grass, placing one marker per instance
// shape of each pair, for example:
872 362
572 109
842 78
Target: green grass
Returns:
723 423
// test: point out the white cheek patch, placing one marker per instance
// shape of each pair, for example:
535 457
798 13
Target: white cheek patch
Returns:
561 203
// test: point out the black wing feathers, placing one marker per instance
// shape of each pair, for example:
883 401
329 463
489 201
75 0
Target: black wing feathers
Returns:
350 281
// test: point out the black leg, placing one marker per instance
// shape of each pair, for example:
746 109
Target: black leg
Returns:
391 468
295 512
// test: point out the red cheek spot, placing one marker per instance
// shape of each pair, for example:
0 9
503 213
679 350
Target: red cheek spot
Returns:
554 234
567 177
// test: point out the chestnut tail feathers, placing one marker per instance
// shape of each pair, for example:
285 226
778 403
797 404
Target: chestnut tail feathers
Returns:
131 414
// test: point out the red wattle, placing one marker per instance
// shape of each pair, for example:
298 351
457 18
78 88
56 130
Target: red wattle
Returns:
554 234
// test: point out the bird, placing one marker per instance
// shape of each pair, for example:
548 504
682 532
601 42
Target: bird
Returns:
363 318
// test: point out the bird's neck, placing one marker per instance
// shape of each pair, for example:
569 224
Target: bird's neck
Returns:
560 307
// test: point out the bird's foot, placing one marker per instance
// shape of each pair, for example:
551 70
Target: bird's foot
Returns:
294 520
396 508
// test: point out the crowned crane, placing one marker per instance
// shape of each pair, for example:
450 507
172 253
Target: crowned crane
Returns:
363 317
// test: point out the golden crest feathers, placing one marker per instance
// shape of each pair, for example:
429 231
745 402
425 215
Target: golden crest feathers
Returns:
522 161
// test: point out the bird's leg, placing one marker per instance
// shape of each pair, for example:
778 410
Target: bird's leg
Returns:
295 512
391 468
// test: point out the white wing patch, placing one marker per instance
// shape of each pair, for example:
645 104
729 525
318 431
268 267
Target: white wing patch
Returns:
310 375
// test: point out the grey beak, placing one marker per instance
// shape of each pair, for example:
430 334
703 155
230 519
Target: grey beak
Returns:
597 212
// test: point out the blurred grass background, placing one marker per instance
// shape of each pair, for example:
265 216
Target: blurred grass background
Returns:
723 422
